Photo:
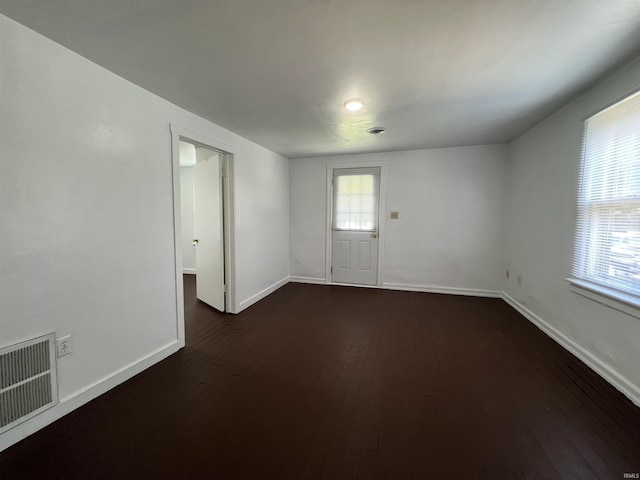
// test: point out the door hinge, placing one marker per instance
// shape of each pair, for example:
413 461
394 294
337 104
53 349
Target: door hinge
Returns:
222 172
224 288
331 269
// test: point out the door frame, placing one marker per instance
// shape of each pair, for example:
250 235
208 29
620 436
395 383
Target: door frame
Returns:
228 153
382 209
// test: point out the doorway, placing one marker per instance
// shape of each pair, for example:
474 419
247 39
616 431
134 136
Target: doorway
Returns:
203 220
355 225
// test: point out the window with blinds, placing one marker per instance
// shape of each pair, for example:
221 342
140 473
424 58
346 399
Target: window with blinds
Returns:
607 242
355 202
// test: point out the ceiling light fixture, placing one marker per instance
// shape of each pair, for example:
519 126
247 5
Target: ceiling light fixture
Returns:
354 104
376 130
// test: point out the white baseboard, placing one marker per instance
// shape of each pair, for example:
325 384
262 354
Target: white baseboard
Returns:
79 398
354 285
314 280
261 294
631 391
189 271
469 292
404 287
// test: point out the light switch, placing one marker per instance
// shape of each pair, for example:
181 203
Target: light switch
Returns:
394 215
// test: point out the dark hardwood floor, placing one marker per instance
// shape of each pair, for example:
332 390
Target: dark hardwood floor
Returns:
318 382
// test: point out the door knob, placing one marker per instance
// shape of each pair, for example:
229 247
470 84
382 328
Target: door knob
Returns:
374 235
195 242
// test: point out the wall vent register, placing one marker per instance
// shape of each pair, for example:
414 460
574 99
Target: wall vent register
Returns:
28 383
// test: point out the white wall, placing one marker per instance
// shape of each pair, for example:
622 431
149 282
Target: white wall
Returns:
543 183
186 207
449 233
86 215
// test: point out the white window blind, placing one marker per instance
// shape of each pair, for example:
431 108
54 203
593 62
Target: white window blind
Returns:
607 242
355 200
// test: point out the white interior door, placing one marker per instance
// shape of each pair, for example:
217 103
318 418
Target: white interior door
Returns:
354 246
208 227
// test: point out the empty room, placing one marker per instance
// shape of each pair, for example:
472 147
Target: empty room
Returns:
320 239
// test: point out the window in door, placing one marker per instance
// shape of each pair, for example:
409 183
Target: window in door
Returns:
355 205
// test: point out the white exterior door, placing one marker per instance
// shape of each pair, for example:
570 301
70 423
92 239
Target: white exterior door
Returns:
208 227
354 247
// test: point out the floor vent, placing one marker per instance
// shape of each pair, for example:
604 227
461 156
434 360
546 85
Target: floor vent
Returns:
27 380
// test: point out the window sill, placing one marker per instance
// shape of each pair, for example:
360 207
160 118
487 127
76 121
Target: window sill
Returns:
623 302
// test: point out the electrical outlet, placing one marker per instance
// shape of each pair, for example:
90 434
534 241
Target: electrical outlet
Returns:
519 280
506 274
394 215
63 346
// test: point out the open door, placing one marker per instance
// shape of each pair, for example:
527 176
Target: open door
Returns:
208 227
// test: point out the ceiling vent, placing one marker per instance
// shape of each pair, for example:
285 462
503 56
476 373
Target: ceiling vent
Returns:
376 130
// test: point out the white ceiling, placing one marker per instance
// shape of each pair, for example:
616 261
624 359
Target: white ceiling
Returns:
436 73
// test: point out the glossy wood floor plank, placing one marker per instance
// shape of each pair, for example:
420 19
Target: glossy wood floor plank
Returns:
319 382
